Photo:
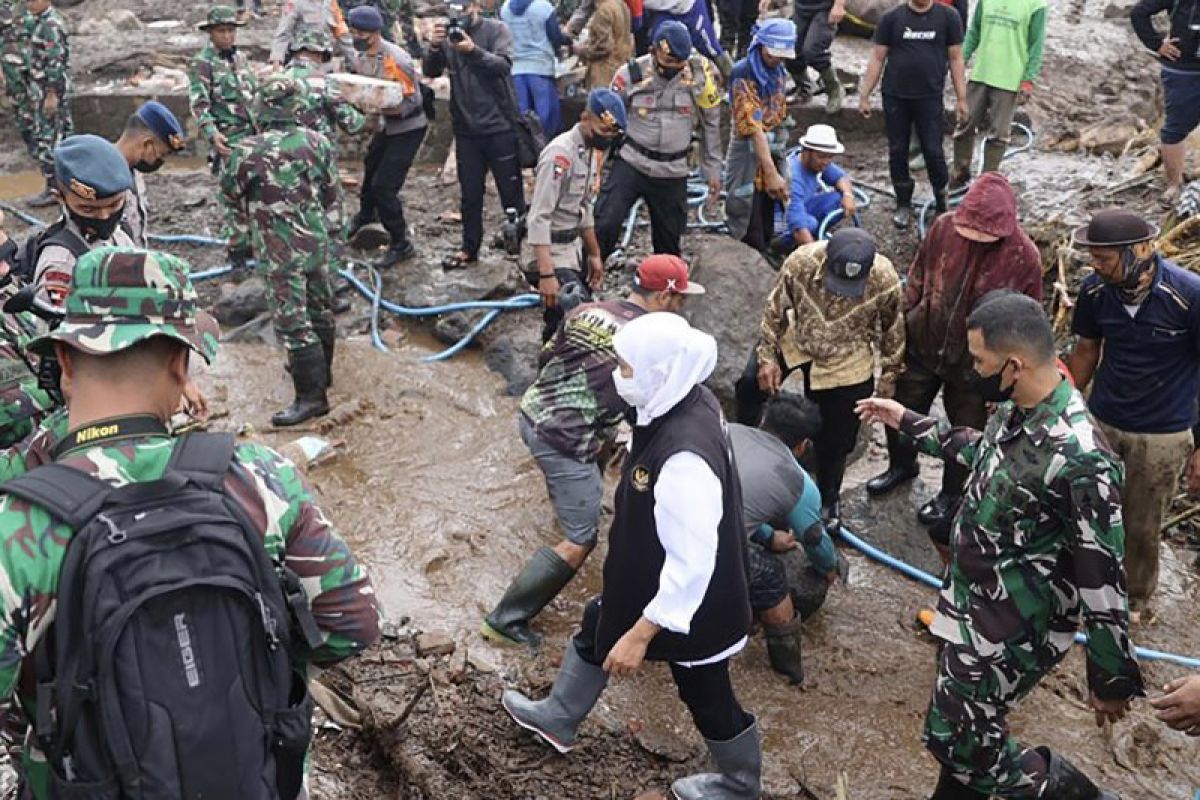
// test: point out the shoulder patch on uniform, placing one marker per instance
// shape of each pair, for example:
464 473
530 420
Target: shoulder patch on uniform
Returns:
561 165
639 478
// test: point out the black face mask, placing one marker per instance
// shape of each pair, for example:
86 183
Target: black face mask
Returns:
95 230
603 142
362 45
989 386
148 166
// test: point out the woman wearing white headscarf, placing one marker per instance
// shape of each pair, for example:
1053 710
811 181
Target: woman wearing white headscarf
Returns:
675 584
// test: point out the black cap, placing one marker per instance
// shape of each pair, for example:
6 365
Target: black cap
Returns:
1114 227
849 256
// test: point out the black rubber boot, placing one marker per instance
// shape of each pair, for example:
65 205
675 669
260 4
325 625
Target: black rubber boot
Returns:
539 582
310 380
892 479
394 255
941 201
993 154
328 337
784 650
42 199
831 515
950 789
903 216
1066 782
938 509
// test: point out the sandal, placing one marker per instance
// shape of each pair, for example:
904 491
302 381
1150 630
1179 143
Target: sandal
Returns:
459 260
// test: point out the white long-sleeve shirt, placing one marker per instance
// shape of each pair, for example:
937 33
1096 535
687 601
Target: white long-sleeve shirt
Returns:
687 512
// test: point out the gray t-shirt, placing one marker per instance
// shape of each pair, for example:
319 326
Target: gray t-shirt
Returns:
772 481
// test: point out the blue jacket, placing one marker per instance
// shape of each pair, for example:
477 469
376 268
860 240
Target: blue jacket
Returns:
806 185
536 34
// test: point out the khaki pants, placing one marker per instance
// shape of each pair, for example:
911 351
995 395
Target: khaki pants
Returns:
990 112
1153 462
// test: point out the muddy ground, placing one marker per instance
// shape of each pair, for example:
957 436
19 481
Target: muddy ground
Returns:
441 500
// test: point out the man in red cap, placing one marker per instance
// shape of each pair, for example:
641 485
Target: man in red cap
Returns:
975 250
567 417
1138 322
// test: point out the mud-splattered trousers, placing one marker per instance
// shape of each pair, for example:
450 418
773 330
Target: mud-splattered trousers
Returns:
282 182
48 71
14 44
1036 550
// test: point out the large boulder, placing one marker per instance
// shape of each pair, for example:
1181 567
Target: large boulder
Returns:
241 302
737 279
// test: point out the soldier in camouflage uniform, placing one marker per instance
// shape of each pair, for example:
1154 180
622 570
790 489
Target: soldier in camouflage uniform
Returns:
283 181
48 67
1037 548
323 108
567 417
124 299
16 26
302 16
221 89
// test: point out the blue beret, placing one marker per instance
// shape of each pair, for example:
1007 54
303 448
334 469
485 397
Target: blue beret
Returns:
674 37
91 167
365 18
163 124
607 103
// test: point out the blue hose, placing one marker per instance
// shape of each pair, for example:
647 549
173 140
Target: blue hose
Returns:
457 347
869 550
376 299
163 238
518 301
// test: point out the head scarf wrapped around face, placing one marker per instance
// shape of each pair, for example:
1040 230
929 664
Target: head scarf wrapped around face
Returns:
669 358
773 34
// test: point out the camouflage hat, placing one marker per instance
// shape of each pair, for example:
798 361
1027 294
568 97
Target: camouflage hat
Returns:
120 296
313 40
280 98
220 15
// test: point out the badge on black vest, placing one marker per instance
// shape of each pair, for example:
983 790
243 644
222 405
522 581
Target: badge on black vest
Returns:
639 478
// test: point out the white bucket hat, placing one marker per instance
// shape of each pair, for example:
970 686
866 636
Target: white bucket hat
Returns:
823 139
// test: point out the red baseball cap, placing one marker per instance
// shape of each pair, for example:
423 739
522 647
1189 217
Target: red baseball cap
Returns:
666 273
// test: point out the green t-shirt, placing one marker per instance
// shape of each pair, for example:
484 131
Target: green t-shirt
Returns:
1005 39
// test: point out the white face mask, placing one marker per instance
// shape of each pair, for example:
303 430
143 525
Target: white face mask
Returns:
628 389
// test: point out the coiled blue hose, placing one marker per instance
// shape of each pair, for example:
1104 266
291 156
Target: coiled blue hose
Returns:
874 553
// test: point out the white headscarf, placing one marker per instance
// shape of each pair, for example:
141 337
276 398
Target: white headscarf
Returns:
669 358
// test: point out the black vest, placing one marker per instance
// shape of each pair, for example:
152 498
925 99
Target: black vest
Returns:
635 555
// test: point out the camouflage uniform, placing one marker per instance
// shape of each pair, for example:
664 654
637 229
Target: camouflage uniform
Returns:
323 108
16 27
23 403
301 16
221 94
48 62
111 286
402 13
1037 547
282 182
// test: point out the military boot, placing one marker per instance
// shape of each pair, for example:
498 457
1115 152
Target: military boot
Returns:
310 381
556 719
835 93
960 171
1066 782
903 216
539 582
740 778
993 154
783 649
42 199
950 789
328 337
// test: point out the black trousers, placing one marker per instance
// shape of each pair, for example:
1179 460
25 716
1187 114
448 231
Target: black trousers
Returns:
925 115
706 691
385 170
475 157
916 389
814 41
665 197
760 231
737 19
839 423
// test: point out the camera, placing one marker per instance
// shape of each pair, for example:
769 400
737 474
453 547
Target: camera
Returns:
455 30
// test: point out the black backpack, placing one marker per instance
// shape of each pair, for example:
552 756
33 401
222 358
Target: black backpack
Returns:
167 672
57 233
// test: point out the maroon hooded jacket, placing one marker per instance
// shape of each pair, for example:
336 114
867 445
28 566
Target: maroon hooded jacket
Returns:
951 273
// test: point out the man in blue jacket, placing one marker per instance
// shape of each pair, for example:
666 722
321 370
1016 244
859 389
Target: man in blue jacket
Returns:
819 187
536 37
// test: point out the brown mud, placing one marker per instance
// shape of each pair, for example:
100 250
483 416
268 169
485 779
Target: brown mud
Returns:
437 495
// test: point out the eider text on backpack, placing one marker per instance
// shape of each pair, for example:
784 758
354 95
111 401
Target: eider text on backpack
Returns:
167 671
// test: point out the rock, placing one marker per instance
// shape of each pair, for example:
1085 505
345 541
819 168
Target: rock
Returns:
453 327
456 671
1116 11
482 660
421 283
241 302
514 356
1107 137
809 588
663 743
737 280
434 643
